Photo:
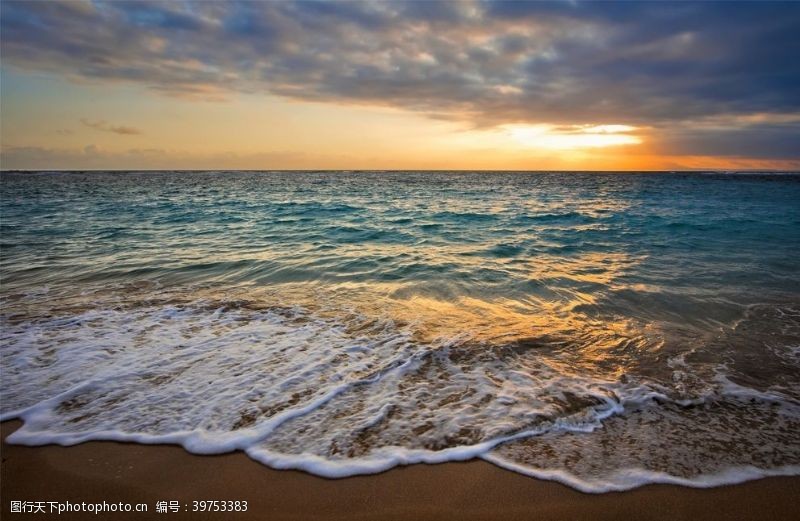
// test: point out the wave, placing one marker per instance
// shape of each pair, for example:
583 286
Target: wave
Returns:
339 394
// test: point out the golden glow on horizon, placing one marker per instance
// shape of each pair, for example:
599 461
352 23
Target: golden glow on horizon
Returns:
572 137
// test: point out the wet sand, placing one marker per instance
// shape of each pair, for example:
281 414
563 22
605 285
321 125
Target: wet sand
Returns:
114 472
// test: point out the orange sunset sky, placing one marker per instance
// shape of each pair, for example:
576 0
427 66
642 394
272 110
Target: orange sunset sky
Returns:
415 85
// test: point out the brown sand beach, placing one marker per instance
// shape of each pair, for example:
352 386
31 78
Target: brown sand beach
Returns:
114 472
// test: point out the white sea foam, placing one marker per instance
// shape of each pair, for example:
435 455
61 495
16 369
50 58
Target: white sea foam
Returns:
628 478
335 397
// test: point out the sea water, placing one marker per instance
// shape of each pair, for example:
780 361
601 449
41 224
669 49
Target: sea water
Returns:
603 329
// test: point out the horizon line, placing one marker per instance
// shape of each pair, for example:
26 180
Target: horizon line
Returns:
500 170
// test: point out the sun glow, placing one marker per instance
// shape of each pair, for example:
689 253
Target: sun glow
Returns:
572 136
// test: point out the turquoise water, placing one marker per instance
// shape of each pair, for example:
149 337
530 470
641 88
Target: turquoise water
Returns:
606 330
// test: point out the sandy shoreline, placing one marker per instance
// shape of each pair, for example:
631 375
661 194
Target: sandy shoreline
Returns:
114 472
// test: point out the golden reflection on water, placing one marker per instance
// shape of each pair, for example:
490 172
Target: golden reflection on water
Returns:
561 318
556 310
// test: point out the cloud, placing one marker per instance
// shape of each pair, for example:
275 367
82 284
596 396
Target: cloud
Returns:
106 127
757 141
656 64
93 157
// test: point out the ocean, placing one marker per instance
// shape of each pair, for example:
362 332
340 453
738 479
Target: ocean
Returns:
605 330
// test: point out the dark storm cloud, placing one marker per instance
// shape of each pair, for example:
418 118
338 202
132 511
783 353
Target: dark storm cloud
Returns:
756 141
658 64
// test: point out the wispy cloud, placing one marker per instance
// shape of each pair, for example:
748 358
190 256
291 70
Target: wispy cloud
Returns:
95 157
103 126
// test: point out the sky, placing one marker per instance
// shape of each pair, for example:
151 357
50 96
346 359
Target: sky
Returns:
400 85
